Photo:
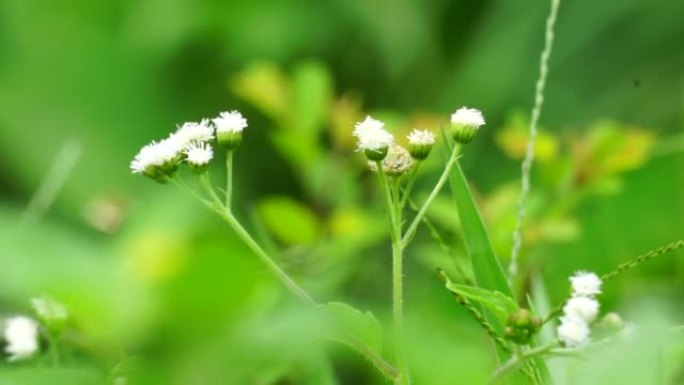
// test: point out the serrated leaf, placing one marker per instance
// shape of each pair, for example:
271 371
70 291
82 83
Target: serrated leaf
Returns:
494 301
290 221
362 325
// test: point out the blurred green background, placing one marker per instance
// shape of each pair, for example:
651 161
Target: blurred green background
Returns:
146 271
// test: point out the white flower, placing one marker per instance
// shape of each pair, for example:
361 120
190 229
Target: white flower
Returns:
231 121
585 284
421 137
192 132
199 154
573 332
583 308
49 309
21 335
371 135
468 117
155 154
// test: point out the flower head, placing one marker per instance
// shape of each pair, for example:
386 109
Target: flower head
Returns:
193 132
231 121
420 143
585 284
229 126
573 332
372 138
157 159
582 308
470 117
198 154
21 334
464 124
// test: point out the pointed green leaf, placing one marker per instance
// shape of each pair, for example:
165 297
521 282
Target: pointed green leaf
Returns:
488 272
362 325
494 301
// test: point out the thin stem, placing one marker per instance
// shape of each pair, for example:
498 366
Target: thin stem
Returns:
398 288
62 166
643 258
390 195
409 184
408 235
229 179
54 349
206 183
387 196
526 166
520 359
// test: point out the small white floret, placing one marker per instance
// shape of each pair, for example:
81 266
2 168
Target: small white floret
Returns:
155 154
231 121
199 154
468 117
193 132
585 284
21 335
371 135
421 137
584 308
573 332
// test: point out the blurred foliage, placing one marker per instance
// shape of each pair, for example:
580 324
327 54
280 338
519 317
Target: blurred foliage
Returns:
161 292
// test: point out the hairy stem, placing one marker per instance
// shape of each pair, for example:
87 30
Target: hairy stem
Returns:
229 179
643 258
526 166
390 195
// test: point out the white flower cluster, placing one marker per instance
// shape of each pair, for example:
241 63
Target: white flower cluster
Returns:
580 310
190 143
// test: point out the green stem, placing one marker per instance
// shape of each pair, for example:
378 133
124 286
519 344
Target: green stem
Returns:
423 210
390 195
229 179
387 198
53 348
520 359
409 185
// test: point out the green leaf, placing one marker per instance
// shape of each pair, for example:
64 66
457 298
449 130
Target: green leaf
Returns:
494 301
289 221
488 272
362 325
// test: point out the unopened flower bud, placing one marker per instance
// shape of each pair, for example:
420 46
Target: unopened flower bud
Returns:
521 326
